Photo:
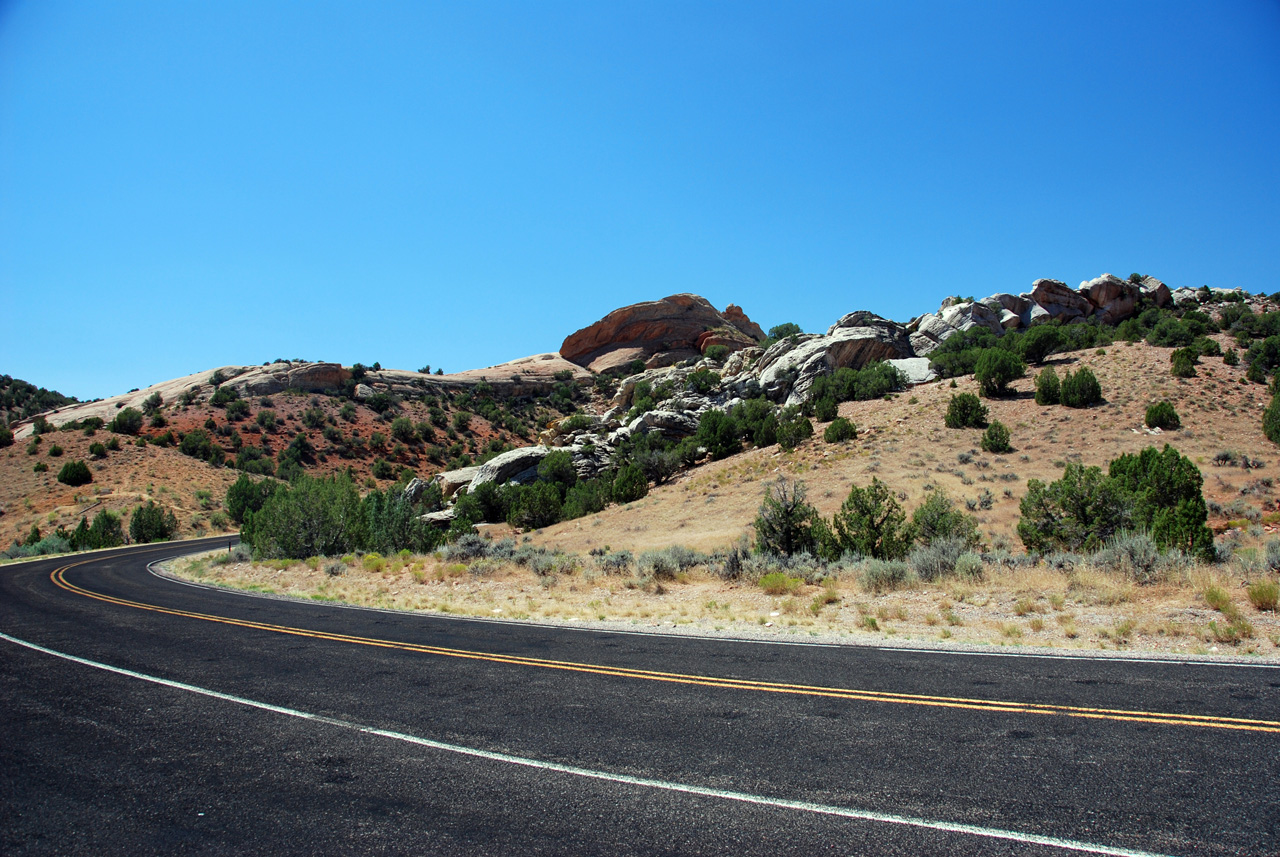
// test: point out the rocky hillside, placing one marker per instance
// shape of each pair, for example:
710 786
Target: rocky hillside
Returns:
633 389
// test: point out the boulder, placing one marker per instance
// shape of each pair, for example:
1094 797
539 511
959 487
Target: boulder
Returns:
413 491
739 361
1155 291
788 368
672 424
363 392
278 377
442 518
670 330
915 368
932 329
451 480
1060 301
515 465
1113 298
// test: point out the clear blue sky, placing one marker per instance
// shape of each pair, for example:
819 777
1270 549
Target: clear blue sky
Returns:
184 184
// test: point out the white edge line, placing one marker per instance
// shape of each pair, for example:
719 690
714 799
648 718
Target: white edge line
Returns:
701 791
749 640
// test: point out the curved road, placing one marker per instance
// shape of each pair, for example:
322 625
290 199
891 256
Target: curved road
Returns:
139 715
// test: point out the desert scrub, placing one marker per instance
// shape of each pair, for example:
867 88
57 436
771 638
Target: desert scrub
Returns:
996 438
965 411
779 583
1263 595
879 575
1162 415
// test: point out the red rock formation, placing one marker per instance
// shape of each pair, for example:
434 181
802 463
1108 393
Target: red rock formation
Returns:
658 331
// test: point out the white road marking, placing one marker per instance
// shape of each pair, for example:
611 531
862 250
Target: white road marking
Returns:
701 791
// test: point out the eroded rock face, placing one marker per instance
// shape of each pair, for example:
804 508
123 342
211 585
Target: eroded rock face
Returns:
1060 301
662 332
1114 298
788 368
518 465
1156 291
278 377
932 329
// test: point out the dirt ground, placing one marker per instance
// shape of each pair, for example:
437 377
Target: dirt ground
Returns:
1024 608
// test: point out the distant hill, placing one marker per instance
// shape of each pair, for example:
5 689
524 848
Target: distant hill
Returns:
20 400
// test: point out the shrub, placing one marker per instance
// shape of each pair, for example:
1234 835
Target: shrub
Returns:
75 473
1183 363
105 532
382 469
1081 389
152 403
1263 595
657 564
785 523
127 421
779 583
1165 495
557 468
40 467
1048 390
793 429
97 451
703 381
885 576
936 559
996 369
6 437
1134 555
969 567
266 419
996 438
313 417
1231 358
1039 342
839 430
630 484
826 409
965 411
1162 415
716 353
150 523
245 496
55 451
718 432
870 523
1079 511
938 518
534 506
586 498
1271 420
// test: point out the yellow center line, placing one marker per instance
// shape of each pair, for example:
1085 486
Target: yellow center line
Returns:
988 705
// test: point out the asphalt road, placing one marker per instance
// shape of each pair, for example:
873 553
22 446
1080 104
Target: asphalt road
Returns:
162 718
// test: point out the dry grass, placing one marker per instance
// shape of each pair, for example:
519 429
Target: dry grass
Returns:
1026 607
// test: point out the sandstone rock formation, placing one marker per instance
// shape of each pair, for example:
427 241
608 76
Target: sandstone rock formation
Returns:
1060 301
660 332
787 369
1113 297
515 465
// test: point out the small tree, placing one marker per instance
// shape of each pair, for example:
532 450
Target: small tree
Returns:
152 403
1079 511
996 438
1183 362
266 419
1048 389
630 484
1162 415
150 523
793 429
839 430
557 468
716 353
1271 420
996 369
75 473
1039 342
127 421
1081 389
825 409
534 506
785 523
6 437
965 411
1231 357
719 433
938 518
871 523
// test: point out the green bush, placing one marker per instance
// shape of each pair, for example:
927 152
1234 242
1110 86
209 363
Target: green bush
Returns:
630 484
793 428
871 523
40 467
1256 373
55 451
1271 420
1162 415
1165 490
105 532
382 469
703 381
1048 389
150 523
965 411
718 433
1183 362
152 403
266 419
586 498
1080 511
197 444
75 473
557 468
1081 389
938 518
839 430
779 583
826 409
534 506
127 421
717 353
996 438
1039 342
245 496
97 451
996 369
785 523
1231 358
6 437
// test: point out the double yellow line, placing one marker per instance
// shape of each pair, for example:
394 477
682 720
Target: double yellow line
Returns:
986 705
